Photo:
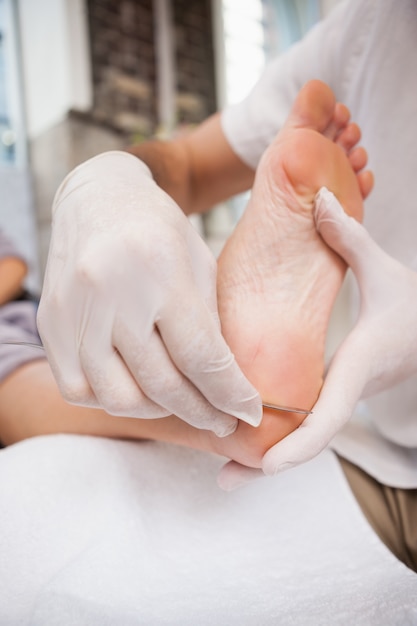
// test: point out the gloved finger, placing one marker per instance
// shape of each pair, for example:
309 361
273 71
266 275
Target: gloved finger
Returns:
113 387
233 475
161 381
388 296
68 372
71 380
200 352
348 238
381 278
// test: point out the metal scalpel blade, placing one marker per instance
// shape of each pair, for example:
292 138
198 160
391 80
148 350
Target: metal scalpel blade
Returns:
289 409
22 343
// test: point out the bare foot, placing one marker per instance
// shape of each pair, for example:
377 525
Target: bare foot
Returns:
277 280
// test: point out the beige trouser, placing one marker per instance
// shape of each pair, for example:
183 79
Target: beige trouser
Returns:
391 512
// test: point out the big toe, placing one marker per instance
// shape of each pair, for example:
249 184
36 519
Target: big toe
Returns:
313 108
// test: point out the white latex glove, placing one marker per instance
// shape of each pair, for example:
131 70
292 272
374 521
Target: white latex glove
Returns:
379 352
128 313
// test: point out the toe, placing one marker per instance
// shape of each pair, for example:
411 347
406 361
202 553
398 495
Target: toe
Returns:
358 158
338 122
349 137
366 182
313 108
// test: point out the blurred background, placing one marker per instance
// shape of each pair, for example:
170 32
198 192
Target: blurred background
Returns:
78 77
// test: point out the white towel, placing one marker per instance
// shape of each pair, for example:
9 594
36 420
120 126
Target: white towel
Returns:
99 532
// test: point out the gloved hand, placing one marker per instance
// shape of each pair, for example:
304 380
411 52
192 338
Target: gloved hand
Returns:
379 352
128 314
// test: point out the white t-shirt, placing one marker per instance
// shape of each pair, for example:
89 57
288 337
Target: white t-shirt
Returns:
366 50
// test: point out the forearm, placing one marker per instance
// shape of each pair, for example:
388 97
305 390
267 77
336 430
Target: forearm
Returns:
199 169
41 410
168 163
12 273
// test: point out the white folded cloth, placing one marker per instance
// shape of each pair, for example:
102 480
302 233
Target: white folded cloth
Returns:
102 532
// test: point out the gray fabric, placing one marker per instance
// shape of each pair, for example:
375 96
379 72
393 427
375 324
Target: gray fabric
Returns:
17 323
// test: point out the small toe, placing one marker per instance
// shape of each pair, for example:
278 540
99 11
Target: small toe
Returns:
349 137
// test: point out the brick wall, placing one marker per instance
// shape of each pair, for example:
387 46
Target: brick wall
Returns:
196 97
124 63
